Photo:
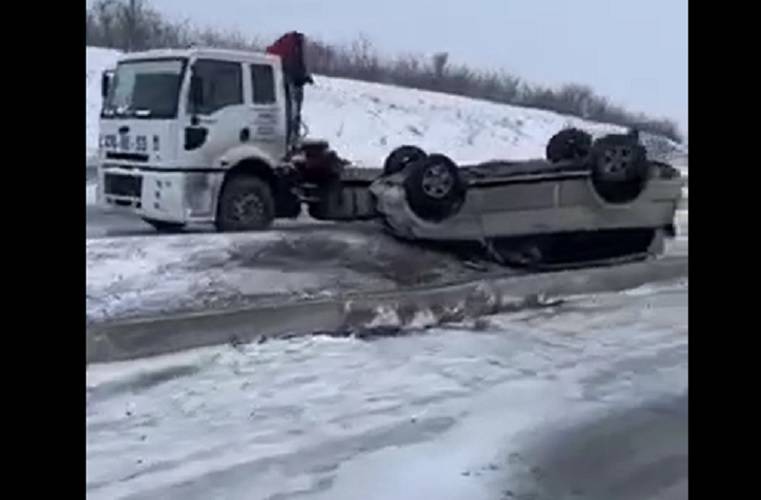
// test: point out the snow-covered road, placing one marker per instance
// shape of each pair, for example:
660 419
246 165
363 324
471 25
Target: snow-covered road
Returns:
583 400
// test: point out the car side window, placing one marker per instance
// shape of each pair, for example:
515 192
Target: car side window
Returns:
222 84
263 84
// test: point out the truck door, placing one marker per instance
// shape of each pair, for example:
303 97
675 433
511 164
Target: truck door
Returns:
214 126
268 120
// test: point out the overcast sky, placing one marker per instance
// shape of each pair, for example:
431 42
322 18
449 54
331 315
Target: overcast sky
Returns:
632 51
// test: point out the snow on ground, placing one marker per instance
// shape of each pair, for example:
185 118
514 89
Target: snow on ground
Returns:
365 121
141 275
134 276
144 275
449 414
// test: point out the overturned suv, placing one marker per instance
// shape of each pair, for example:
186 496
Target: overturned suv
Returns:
587 201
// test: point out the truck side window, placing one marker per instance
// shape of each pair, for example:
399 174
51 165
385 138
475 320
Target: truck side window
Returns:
263 84
222 84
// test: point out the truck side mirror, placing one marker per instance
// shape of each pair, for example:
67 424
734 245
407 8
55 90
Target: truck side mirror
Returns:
196 92
105 81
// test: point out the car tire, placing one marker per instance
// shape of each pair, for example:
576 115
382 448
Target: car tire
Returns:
619 168
434 188
400 157
568 145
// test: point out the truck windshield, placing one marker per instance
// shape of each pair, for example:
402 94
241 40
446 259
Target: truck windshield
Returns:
145 89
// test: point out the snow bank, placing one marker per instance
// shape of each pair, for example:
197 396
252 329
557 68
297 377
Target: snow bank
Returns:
139 276
364 121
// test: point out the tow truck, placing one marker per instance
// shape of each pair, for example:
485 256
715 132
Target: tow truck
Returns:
204 135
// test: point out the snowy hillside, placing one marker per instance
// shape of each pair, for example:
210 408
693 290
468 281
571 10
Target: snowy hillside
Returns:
364 121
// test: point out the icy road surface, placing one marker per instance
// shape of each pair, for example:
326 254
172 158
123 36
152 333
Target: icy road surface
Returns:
586 399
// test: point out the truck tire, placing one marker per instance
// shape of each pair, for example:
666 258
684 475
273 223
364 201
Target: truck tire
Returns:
569 144
245 204
619 168
434 188
400 158
165 227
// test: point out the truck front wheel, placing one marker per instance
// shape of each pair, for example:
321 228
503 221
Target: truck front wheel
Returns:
245 204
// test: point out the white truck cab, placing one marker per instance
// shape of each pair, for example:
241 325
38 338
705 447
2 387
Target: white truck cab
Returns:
177 125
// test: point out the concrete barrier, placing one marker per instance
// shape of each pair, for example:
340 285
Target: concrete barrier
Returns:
135 338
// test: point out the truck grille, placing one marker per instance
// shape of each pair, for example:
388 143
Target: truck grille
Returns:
123 185
127 156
